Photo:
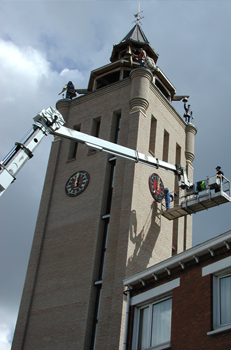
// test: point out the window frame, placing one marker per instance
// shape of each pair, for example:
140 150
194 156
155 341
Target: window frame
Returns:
95 130
152 136
151 297
219 269
73 145
136 328
217 325
166 140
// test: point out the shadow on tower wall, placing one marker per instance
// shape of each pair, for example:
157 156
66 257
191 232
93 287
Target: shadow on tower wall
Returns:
144 241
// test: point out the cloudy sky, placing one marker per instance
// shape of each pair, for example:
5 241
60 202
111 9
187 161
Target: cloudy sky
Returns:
43 44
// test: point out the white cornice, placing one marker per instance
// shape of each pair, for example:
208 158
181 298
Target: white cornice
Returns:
95 94
190 254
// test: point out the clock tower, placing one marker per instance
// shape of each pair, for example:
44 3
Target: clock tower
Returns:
100 216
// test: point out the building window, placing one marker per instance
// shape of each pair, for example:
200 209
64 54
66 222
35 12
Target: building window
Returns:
95 127
153 325
222 300
108 79
152 317
221 294
115 128
177 161
95 131
165 146
73 145
225 300
162 89
152 141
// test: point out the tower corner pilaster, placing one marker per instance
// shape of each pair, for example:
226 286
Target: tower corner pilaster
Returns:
141 79
191 132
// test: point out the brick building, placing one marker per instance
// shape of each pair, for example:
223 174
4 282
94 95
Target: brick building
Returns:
85 245
183 302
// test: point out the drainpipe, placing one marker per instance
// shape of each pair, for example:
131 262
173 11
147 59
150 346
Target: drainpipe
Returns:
126 320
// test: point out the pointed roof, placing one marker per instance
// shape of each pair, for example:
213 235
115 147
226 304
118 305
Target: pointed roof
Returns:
134 40
136 34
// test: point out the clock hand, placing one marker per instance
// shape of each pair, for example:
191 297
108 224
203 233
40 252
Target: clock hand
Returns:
158 184
76 180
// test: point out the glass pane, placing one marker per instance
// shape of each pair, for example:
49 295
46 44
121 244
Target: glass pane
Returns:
225 300
161 322
143 329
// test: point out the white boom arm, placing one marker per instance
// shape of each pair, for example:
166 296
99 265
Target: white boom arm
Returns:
50 121
21 152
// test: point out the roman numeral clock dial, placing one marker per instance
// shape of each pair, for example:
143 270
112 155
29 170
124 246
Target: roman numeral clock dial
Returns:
77 183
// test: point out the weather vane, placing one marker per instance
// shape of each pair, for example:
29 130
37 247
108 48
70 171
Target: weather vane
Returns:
137 16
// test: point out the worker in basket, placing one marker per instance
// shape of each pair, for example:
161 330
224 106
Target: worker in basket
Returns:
168 197
220 175
219 172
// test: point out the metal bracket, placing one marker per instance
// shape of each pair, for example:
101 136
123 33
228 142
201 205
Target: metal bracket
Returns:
25 149
157 163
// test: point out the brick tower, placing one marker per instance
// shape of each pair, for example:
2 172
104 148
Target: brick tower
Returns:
85 245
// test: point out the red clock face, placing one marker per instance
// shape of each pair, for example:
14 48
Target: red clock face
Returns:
156 187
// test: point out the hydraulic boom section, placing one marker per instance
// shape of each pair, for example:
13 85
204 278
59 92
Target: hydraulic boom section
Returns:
54 125
50 121
22 151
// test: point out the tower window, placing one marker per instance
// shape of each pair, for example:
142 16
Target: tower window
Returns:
176 201
162 89
95 127
165 146
108 79
115 129
177 161
73 145
95 131
152 141
126 73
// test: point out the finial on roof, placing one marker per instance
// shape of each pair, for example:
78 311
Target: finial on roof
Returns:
137 16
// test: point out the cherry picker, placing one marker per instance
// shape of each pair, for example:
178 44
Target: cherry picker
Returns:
50 121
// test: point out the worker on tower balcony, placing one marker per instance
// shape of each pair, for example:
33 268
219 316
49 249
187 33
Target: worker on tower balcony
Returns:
70 90
141 56
168 196
188 113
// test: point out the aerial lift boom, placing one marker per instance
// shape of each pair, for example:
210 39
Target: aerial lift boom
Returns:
50 121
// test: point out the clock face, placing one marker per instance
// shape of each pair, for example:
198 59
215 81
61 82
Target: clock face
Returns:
156 187
77 183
